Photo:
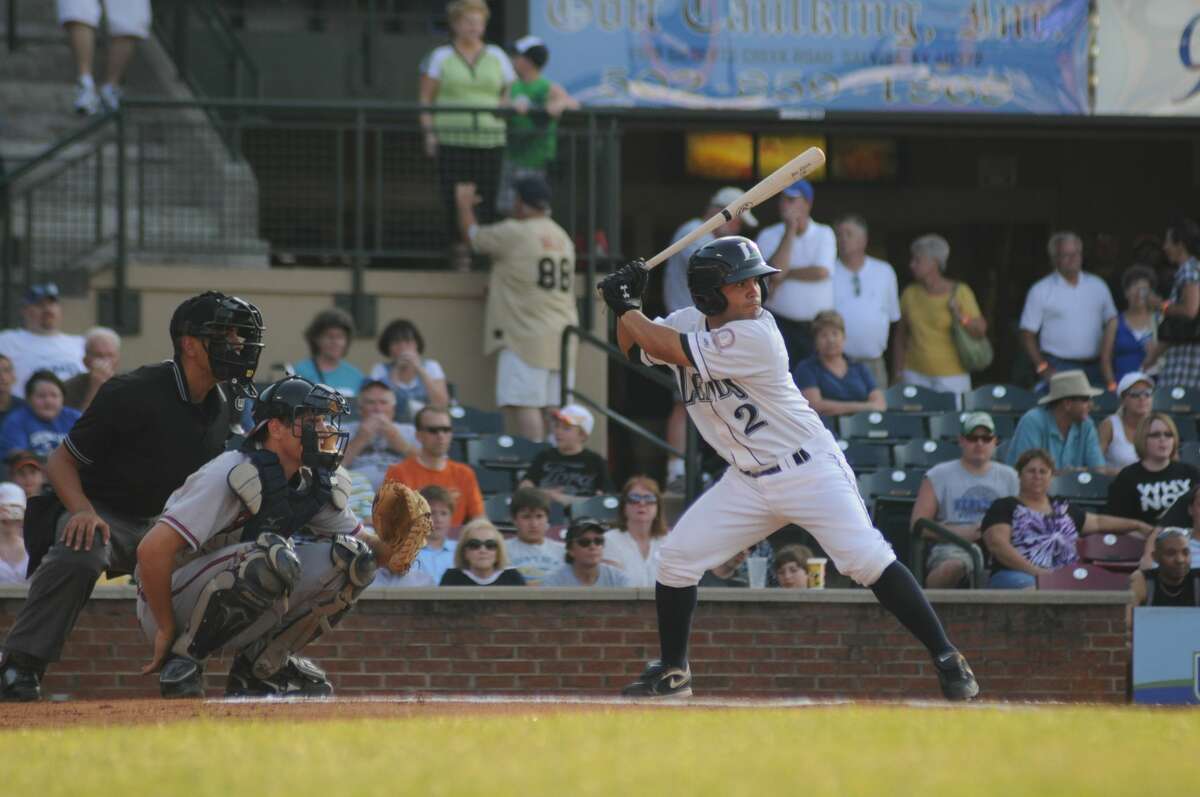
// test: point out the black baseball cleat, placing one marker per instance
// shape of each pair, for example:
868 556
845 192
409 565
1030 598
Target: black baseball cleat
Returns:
181 677
659 681
299 677
955 676
19 684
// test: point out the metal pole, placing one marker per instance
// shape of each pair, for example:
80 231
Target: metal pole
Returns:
12 46
360 210
379 189
591 221
368 46
122 231
141 185
98 201
339 199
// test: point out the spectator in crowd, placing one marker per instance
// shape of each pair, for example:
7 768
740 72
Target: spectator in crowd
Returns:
416 380
1152 484
438 554
27 470
329 335
568 472
1136 325
1060 425
923 353
803 250
14 560
1174 581
43 422
957 494
376 441
527 308
1136 391
583 568
431 464
832 384
1069 319
790 566
866 295
676 296
128 21
1032 534
731 573
468 146
481 560
41 345
531 553
533 131
101 356
8 402
634 544
1181 361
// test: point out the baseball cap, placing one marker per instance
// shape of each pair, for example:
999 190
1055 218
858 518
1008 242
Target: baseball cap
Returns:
20 458
576 415
580 527
534 191
800 188
12 502
40 291
727 196
973 420
532 48
1132 378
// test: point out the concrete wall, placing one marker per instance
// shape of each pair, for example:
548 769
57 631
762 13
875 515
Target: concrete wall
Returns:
1068 646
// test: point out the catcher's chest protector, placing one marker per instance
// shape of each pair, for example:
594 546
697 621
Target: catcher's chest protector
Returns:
280 509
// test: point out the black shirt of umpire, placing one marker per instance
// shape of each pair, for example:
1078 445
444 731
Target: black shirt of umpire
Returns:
142 436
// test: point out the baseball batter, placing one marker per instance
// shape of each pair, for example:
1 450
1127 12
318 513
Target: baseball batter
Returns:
784 466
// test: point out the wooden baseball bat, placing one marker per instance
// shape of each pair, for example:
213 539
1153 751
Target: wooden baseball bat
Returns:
795 169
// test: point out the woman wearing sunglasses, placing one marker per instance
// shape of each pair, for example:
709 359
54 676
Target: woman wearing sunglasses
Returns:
585 549
633 546
480 559
1117 430
1145 489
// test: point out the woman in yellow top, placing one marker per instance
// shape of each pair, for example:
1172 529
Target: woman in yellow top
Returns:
924 352
469 147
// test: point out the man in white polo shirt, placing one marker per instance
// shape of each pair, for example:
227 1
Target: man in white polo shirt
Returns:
803 250
866 295
1067 317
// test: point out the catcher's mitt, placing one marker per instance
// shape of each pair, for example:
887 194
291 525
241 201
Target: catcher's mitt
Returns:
402 522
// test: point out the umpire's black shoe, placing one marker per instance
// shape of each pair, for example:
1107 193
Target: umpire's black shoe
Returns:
299 677
955 676
659 681
181 677
19 684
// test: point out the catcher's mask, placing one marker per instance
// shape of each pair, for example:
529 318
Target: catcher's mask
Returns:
231 330
722 262
314 412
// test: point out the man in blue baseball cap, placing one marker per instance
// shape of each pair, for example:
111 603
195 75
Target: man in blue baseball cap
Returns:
41 344
804 251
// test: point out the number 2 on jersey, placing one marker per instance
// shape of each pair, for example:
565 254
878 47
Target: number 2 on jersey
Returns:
552 275
752 422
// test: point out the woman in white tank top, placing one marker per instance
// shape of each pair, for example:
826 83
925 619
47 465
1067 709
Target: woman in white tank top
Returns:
1117 430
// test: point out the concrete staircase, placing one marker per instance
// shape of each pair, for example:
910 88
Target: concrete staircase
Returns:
188 200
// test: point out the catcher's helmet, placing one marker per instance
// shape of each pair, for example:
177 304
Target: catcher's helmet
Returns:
232 331
293 399
723 262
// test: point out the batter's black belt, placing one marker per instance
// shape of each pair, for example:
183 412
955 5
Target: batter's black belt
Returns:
799 456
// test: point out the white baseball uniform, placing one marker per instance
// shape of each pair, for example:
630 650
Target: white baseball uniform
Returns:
785 466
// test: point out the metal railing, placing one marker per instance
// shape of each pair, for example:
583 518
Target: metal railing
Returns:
11 21
691 452
207 53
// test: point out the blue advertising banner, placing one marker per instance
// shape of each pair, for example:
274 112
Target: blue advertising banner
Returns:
815 55
1166 655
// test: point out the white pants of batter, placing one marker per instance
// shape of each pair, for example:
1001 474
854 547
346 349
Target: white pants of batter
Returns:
125 17
739 510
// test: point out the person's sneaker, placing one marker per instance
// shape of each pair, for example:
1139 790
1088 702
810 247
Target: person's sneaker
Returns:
18 684
955 677
299 677
110 95
659 681
87 101
181 677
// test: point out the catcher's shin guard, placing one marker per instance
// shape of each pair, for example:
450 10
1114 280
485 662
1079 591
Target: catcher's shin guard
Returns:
235 599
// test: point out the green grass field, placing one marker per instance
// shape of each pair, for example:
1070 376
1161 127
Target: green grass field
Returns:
824 750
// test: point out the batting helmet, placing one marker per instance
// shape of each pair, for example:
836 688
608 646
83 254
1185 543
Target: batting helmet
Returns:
723 262
294 398
232 331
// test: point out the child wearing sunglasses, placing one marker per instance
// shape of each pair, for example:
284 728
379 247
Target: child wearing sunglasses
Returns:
584 568
481 560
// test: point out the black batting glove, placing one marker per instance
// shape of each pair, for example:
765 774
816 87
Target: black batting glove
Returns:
622 290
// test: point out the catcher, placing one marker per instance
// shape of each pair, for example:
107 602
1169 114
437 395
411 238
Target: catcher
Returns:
258 553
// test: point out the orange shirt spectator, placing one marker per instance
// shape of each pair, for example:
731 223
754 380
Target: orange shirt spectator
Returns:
432 465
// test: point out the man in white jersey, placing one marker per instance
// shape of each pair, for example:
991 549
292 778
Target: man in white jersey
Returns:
785 467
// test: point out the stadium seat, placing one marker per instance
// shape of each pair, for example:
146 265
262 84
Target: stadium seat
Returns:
502 453
1105 404
1080 576
1001 454
494 481
1119 552
474 421
922 400
881 427
601 507
1177 400
1189 452
924 454
894 483
999 399
1187 427
866 457
890 494
948 426
943 534
1085 488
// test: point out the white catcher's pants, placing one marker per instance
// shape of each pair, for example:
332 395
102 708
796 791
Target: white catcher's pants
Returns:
738 511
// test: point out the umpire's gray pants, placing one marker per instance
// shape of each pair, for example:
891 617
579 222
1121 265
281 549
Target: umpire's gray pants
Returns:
64 580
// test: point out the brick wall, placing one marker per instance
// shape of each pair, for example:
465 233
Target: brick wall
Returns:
831 643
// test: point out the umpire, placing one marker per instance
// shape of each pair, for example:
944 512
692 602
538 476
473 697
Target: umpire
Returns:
141 437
